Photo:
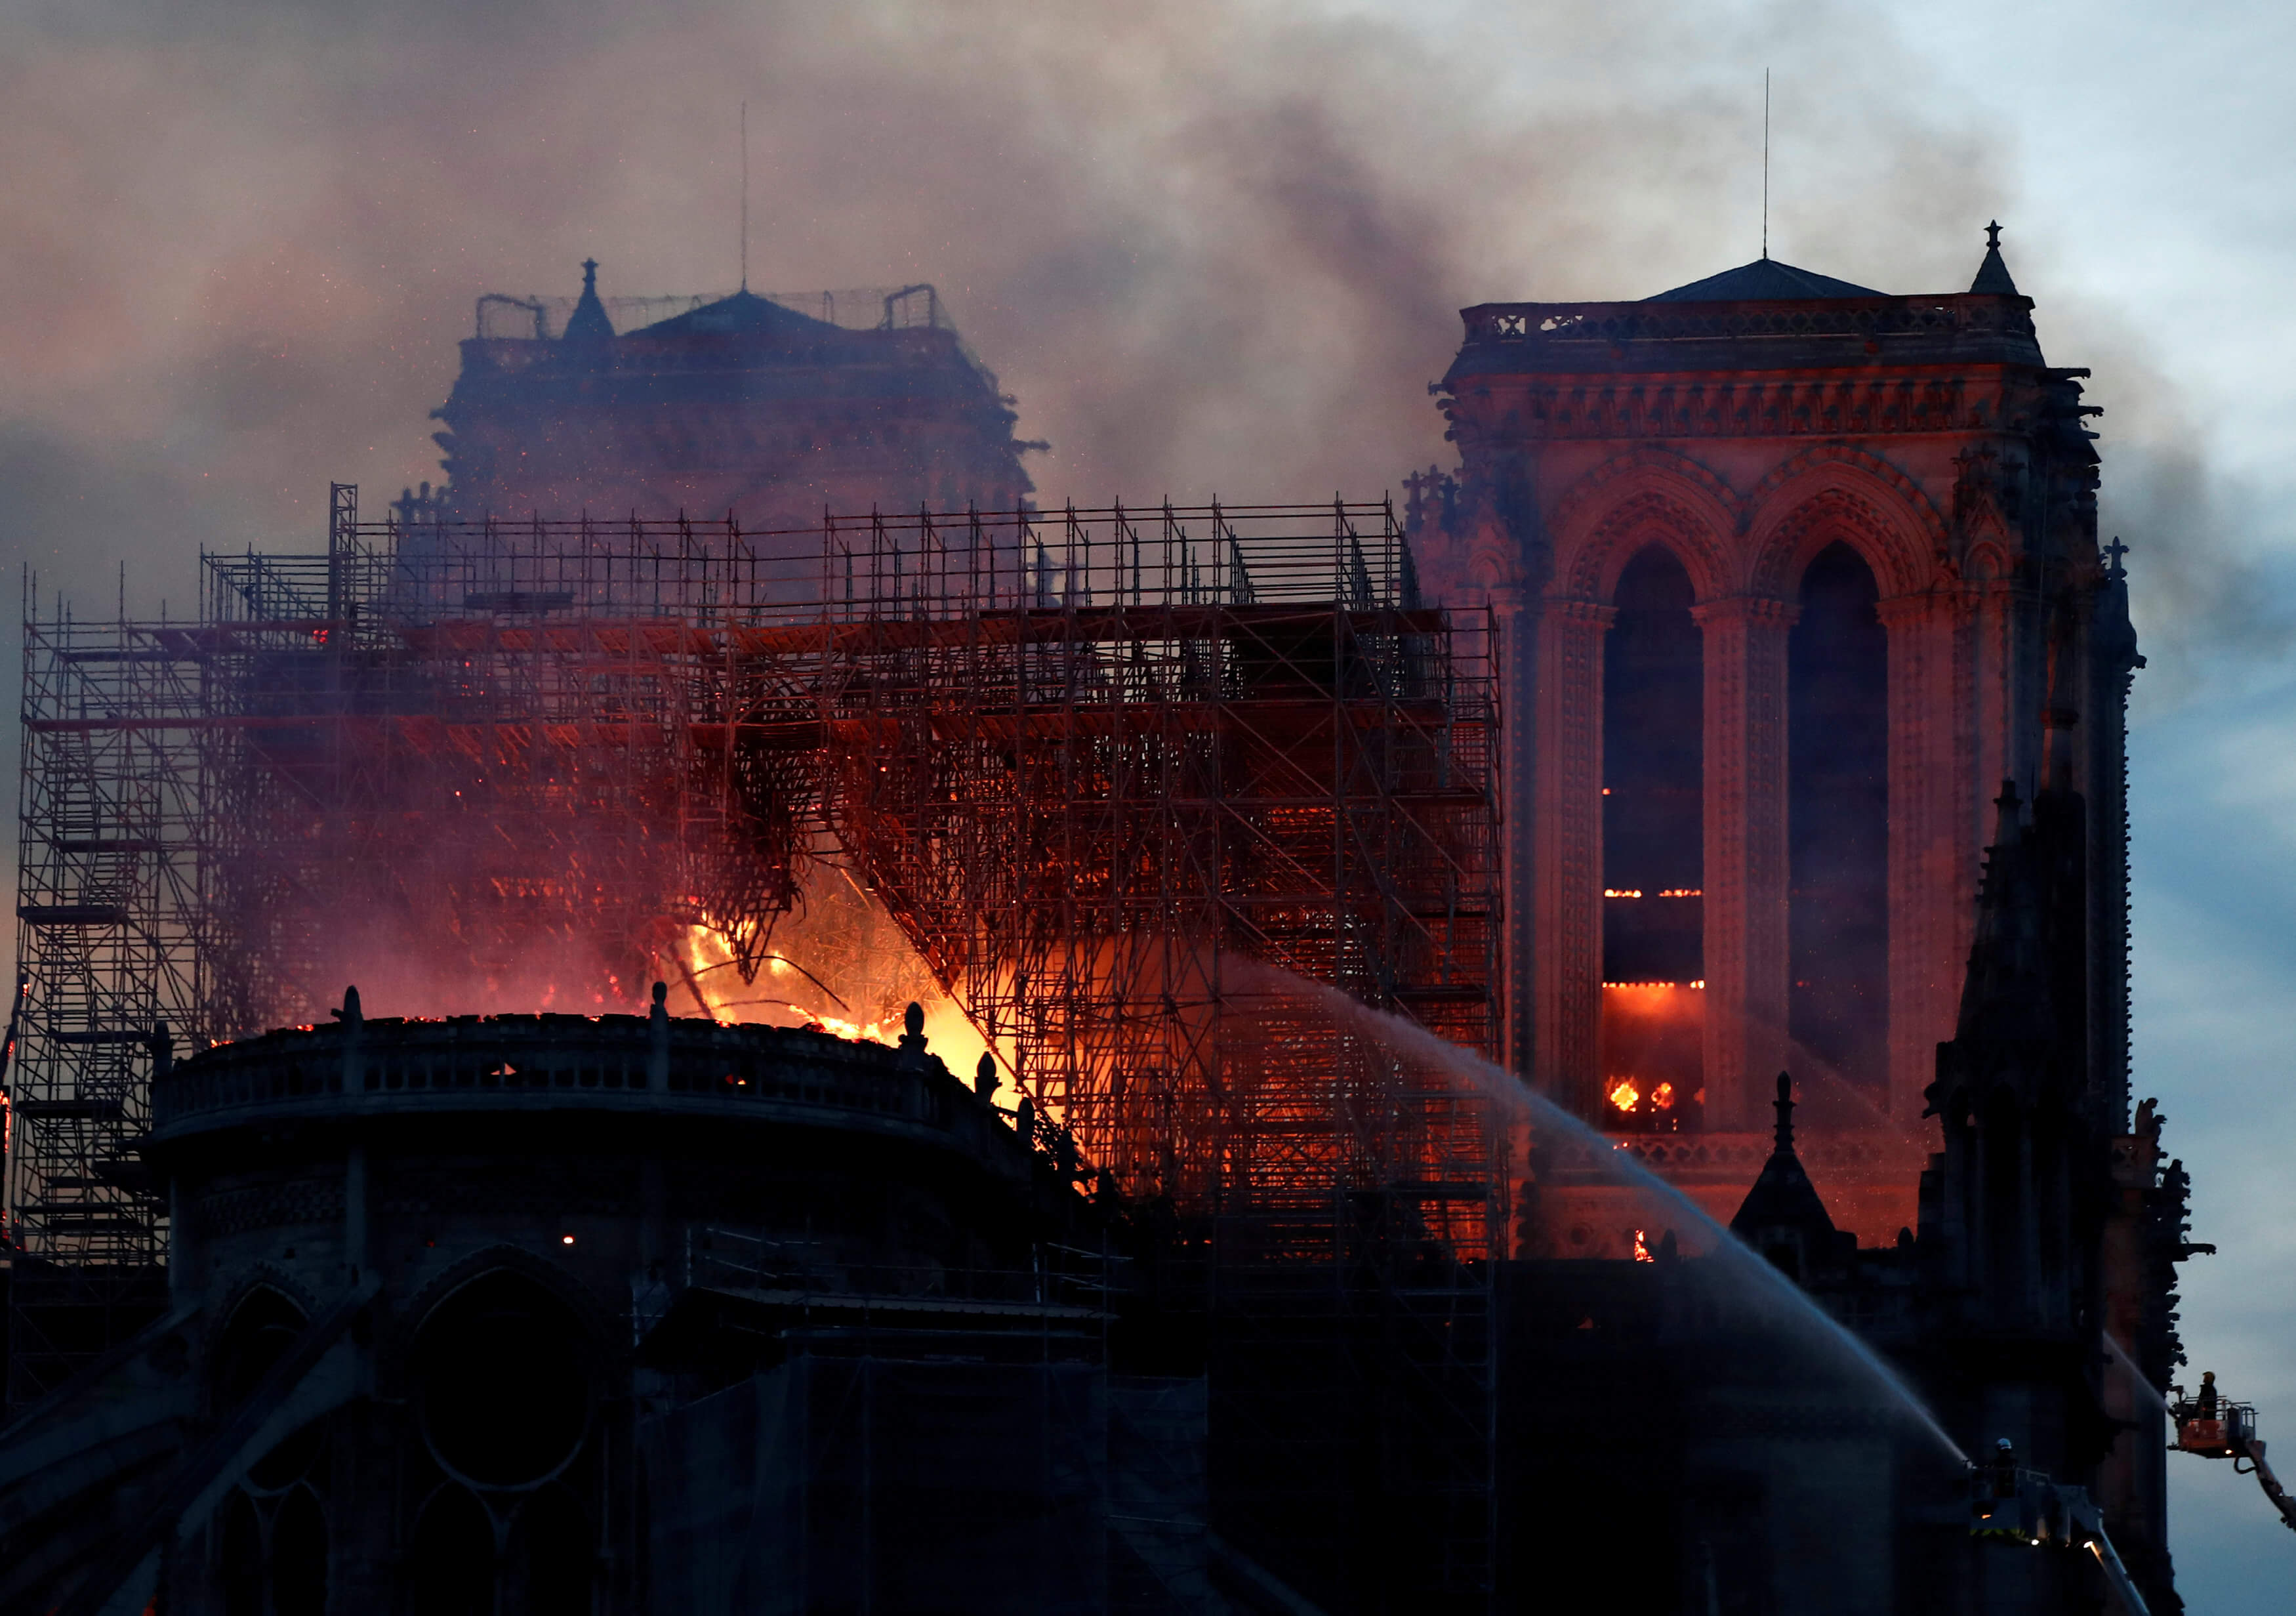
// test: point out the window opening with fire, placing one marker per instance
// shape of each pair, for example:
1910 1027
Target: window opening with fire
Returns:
1653 853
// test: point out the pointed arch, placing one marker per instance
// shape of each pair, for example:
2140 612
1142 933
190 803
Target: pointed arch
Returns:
300 1559
1987 562
449 1565
600 1326
1834 514
1650 496
1834 492
262 1321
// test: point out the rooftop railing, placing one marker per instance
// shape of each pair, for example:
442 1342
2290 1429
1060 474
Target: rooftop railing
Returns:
918 307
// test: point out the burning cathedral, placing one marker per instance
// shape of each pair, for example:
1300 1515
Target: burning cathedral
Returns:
1568 1043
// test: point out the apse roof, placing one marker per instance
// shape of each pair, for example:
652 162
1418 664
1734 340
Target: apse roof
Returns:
1763 279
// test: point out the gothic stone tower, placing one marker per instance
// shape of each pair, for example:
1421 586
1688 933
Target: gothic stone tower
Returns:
1792 576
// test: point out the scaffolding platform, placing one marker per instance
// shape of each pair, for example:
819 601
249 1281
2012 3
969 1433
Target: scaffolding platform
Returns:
1123 778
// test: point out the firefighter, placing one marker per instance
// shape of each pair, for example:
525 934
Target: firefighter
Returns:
2207 1394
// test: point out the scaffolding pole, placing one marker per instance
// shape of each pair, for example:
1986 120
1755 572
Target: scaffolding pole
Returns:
1106 768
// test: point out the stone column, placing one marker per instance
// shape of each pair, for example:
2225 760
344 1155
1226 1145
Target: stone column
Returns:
1930 890
1745 853
1515 625
1567 849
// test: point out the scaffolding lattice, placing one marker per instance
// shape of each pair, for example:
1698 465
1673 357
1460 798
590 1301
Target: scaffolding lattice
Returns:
1111 771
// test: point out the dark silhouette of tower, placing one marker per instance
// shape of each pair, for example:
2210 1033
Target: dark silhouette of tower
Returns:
747 404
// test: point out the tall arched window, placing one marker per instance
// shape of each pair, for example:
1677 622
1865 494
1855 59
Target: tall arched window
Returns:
1838 811
1654 851
506 1396
271 1550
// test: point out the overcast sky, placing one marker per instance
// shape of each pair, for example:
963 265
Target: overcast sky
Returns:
1217 249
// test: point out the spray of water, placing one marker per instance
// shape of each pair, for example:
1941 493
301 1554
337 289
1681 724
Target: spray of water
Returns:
2136 1377
1410 1039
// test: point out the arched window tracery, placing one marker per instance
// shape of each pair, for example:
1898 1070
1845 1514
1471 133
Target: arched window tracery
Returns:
505 1398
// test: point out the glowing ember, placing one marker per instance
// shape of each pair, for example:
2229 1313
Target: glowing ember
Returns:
1642 1251
839 1027
1662 1097
1625 1097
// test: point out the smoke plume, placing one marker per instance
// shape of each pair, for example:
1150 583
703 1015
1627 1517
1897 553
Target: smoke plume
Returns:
1213 249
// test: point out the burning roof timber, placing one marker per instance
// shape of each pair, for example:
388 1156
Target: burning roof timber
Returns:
1088 762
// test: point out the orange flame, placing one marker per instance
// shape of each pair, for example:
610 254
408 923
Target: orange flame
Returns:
1626 1096
1662 1097
844 953
1642 1251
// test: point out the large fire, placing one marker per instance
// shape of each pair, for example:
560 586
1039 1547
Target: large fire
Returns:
839 963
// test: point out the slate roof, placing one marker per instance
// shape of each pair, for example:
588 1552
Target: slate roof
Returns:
745 313
1763 279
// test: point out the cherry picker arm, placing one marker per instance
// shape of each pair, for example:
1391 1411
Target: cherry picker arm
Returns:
2009 1503
2215 1429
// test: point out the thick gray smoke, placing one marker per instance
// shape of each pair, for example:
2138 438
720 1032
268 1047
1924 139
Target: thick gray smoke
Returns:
1212 248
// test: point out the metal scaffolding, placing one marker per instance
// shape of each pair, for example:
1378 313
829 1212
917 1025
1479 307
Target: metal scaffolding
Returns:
1111 771
1104 768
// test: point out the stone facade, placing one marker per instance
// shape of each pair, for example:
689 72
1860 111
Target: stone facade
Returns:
1746 426
464 1312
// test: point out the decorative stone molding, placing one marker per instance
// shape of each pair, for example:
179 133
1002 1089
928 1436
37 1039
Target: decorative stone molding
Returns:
1732 1156
1849 457
1649 466
1604 326
1777 405
1591 563
1902 560
284 1203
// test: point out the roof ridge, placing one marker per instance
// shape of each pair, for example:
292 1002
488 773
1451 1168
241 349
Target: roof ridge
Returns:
1764 279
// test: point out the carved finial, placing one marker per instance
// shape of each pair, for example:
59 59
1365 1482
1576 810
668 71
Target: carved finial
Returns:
984 1076
661 995
1993 276
350 1013
1784 1105
2114 552
913 1030
589 275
